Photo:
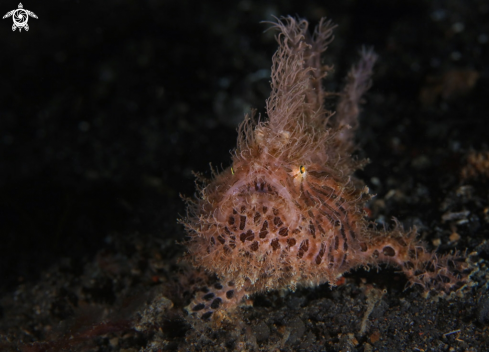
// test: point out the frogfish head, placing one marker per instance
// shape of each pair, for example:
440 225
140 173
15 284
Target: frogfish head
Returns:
263 221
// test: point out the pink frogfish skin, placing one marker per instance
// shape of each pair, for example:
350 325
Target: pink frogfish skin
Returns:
289 212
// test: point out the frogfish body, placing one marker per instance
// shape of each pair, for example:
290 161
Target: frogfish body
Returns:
288 212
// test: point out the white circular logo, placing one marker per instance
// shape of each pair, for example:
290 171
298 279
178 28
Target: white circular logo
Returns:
20 17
